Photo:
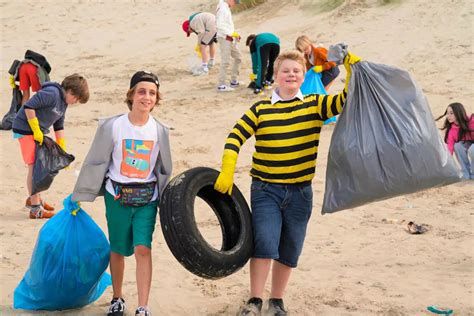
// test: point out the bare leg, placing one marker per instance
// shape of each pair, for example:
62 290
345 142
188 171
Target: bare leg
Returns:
143 273
259 269
35 199
280 276
205 54
117 267
328 86
212 50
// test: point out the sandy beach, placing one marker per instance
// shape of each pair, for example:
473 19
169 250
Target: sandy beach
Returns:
355 262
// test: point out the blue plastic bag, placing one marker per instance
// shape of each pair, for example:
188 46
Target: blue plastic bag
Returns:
312 84
67 269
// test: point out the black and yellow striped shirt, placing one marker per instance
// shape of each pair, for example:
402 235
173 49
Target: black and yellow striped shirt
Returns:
287 135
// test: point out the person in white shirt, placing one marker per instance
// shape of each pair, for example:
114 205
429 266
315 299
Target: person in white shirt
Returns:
227 39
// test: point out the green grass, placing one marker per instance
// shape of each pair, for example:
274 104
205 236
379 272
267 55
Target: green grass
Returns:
384 2
319 6
247 4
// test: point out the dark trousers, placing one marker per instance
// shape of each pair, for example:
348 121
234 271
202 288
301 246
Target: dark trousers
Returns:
268 53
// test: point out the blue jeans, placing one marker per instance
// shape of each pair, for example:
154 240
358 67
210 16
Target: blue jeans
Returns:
280 215
465 153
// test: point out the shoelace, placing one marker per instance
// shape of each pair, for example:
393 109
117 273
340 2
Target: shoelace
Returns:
117 306
142 311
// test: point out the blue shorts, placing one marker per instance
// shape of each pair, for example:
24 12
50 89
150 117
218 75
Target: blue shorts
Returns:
280 215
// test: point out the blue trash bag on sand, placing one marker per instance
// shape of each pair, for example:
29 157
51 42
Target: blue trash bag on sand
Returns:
312 84
385 143
67 268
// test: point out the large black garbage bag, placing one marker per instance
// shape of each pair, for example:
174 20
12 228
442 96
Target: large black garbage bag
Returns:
49 159
385 143
7 121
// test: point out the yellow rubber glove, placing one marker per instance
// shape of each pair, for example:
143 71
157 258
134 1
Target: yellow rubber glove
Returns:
236 36
197 49
317 69
349 60
253 77
12 82
225 180
37 133
62 143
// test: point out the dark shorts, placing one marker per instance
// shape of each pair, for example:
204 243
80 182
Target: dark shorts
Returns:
329 75
280 215
213 40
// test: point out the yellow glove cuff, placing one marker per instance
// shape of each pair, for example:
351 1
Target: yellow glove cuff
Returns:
253 77
318 69
34 124
62 143
351 59
12 82
229 160
197 49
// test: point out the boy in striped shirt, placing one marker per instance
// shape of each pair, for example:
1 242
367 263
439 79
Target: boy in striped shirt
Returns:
286 128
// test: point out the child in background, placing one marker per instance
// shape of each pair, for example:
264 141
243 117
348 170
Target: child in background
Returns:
287 128
227 38
204 25
264 49
32 74
459 137
317 60
129 162
45 109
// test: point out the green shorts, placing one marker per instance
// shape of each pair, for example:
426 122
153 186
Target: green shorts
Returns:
129 226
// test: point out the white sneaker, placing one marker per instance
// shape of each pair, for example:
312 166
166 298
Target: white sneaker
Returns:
210 63
224 88
201 71
234 84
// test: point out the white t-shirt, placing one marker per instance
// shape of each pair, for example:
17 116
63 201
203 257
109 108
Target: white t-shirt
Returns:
135 152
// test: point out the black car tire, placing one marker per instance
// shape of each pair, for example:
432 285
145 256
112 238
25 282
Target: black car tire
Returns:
182 234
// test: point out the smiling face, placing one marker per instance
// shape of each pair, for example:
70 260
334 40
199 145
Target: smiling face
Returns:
450 115
144 97
290 76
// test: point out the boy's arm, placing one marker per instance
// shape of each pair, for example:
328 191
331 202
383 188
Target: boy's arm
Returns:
60 140
331 105
243 130
34 125
321 54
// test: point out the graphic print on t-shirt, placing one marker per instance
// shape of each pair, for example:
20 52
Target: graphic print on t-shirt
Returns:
136 156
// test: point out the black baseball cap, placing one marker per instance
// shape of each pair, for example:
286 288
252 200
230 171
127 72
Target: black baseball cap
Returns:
144 75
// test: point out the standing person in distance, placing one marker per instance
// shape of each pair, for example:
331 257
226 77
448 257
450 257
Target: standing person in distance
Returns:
228 39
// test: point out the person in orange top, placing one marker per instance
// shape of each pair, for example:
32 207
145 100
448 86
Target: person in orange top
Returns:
317 60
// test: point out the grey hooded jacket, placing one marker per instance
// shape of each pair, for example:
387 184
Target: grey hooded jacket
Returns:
91 181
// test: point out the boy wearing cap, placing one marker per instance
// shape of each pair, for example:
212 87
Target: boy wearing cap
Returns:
204 25
45 109
129 162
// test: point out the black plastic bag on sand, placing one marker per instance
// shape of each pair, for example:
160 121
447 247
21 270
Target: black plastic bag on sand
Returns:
7 121
49 159
385 143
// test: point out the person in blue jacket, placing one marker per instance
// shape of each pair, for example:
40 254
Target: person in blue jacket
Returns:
264 49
